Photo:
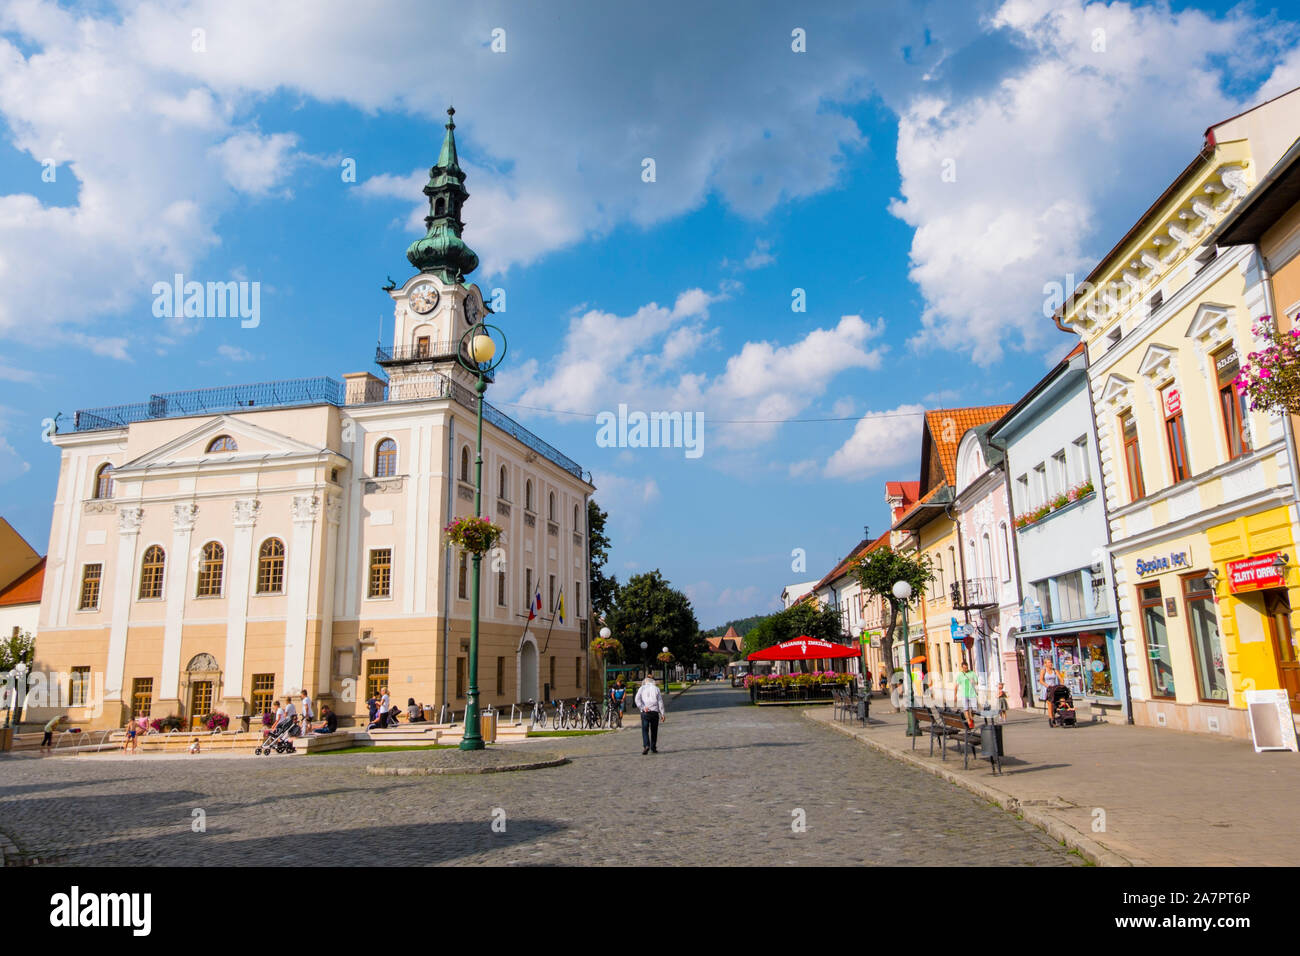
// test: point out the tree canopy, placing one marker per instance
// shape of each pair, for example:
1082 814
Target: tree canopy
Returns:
603 589
647 608
800 619
878 571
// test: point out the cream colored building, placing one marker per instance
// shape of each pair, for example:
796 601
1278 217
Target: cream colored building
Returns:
1189 471
218 549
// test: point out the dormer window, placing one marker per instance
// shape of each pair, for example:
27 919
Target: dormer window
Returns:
222 443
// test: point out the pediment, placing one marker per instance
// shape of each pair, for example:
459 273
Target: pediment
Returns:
1116 391
1211 321
1158 361
254 442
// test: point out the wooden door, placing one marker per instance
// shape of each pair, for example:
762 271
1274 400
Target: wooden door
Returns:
200 701
1278 609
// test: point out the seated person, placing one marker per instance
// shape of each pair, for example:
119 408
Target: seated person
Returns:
414 711
329 720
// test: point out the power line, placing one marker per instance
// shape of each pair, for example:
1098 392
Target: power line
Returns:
730 421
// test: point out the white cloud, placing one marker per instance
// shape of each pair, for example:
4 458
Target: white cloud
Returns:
254 163
880 440
233 353
1037 165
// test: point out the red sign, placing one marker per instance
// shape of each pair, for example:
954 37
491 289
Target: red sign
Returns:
1254 574
1173 402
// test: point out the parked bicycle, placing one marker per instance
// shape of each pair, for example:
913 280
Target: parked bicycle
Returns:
539 713
613 716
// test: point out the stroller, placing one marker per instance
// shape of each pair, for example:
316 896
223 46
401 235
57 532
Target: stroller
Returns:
281 737
1061 706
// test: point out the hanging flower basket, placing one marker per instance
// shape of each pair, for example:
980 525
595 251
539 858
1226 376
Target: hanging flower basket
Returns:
605 646
665 658
1270 377
475 535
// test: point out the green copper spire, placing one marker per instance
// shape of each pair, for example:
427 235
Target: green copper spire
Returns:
442 251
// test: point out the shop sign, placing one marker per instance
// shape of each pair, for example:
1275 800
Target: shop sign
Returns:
1254 574
1173 402
1168 562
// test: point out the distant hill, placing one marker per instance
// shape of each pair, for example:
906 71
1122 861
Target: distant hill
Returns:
743 626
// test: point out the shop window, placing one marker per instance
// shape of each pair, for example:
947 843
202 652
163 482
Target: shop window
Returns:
1175 435
1207 644
1232 404
1160 665
1132 457
1096 666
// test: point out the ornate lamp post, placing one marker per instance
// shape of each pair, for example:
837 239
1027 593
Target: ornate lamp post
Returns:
667 657
476 355
903 592
605 634
644 658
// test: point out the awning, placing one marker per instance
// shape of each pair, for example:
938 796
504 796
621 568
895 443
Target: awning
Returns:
918 659
803 648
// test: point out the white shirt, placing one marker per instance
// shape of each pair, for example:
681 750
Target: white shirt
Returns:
383 704
648 697
288 709
306 707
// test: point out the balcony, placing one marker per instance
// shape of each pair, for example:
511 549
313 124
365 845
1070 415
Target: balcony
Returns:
442 350
210 401
974 593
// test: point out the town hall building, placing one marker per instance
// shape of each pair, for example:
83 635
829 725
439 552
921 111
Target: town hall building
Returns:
216 549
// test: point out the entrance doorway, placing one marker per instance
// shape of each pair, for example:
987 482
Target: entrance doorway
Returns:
528 671
1277 608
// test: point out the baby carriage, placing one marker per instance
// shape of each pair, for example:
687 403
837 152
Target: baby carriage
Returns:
1061 706
281 737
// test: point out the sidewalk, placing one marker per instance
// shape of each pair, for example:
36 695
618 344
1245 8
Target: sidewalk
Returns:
1168 798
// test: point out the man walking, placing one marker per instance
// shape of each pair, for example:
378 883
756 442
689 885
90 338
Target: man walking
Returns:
651 704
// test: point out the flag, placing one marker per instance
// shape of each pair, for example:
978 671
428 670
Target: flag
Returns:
561 605
535 604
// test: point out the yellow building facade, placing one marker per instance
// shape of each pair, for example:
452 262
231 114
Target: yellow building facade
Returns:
1194 480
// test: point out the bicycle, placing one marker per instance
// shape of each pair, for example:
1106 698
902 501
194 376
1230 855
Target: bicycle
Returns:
613 716
539 713
591 717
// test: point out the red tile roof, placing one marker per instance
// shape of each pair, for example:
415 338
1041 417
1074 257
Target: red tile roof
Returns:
946 426
26 589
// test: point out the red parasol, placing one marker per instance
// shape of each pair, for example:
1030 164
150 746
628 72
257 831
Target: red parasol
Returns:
803 648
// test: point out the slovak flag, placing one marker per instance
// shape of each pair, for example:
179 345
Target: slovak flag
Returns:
535 604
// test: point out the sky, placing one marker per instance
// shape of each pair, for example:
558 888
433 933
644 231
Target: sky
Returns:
806 223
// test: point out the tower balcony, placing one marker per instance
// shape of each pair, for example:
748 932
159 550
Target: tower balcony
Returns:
444 350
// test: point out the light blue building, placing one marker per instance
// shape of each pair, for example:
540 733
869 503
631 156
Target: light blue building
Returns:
1068 616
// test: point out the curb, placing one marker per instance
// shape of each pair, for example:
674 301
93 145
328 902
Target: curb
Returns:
376 771
1073 838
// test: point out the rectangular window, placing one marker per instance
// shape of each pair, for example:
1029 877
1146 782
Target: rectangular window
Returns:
1172 403
1232 404
1100 594
79 687
1082 470
1132 456
460 678
501 589
90 577
462 577
550 602
1022 493
1060 474
422 347
151 574
528 587
263 694
141 697
376 677
501 676
1040 484
1069 597
1043 595
577 599
1006 552
1160 665
1207 644
381 573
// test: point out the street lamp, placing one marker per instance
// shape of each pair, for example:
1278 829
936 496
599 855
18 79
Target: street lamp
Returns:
476 353
644 656
903 592
665 671
605 634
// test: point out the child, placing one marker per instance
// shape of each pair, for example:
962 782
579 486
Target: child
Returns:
194 745
132 729
1003 704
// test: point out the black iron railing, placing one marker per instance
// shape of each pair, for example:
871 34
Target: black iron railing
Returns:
204 401
420 352
974 592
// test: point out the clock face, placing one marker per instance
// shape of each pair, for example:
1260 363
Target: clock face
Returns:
424 299
471 310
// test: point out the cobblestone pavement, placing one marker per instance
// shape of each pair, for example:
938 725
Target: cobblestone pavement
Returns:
726 787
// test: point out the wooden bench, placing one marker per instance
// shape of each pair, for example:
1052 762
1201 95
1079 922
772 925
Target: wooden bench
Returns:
945 725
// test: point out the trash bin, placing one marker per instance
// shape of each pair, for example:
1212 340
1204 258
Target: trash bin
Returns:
864 709
487 725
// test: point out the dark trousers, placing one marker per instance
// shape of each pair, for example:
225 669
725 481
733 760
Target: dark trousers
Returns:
650 729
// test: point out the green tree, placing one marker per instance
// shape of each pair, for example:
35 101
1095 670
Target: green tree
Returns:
803 619
878 572
18 646
648 609
604 590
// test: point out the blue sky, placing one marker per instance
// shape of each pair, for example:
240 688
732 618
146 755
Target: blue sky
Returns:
920 171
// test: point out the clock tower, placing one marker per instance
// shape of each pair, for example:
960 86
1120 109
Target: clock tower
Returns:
435 308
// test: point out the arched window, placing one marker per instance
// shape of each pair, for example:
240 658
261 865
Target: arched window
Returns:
104 481
503 487
464 463
386 458
223 443
528 495
270 567
550 506
990 568
575 518
440 206
212 564
151 572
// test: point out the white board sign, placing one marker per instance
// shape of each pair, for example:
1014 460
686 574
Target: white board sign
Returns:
1271 726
